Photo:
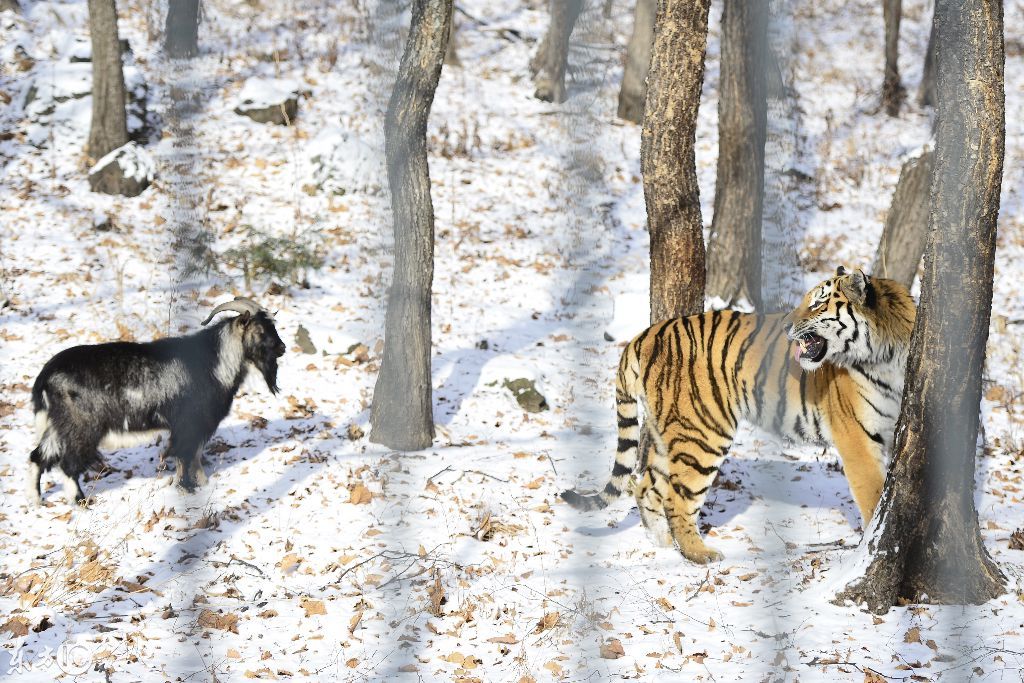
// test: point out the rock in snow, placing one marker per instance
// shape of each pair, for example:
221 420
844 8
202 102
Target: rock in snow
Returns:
128 170
269 100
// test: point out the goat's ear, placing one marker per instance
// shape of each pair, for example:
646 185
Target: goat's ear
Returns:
841 270
244 317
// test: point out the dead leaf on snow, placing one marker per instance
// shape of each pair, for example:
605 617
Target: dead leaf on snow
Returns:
912 636
359 495
17 626
436 593
548 621
354 621
313 606
222 622
612 649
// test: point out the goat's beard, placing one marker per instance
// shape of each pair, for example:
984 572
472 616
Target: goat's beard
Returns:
267 367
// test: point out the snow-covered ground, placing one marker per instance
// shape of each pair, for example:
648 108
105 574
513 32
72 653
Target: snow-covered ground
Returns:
314 554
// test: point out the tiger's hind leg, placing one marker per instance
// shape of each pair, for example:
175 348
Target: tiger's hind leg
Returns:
652 510
692 468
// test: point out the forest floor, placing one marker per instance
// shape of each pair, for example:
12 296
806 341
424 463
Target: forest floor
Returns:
314 554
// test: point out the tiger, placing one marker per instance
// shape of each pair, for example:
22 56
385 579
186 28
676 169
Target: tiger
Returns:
829 372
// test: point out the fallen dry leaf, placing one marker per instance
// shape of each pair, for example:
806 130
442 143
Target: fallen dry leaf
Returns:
313 606
549 620
612 649
359 495
222 622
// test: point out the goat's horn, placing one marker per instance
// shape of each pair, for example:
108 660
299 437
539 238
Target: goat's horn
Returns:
239 304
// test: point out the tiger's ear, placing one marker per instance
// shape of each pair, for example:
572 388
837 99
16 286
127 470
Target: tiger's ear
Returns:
859 289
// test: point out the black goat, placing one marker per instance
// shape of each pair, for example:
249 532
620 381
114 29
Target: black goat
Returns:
94 395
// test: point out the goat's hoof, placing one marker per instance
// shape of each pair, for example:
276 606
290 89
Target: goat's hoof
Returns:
187 486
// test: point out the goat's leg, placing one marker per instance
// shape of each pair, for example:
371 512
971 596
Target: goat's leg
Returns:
68 475
35 473
187 451
197 467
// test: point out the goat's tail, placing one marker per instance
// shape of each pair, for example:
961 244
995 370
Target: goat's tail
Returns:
628 388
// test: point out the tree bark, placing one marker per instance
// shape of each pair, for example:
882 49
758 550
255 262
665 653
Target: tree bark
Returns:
451 55
893 93
734 249
926 93
906 226
109 127
401 416
633 92
667 159
552 57
181 32
925 540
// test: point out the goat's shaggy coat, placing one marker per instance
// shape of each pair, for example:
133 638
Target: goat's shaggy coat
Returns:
111 394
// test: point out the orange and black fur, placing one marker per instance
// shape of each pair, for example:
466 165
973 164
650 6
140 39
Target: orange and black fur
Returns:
696 377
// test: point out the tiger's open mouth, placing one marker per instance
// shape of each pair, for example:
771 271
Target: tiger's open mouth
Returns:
810 347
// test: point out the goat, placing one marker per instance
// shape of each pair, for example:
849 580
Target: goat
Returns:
109 395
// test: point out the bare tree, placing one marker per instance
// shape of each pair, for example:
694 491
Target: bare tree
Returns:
734 248
906 226
633 92
181 32
667 158
402 413
924 539
550 62
109 127
893 93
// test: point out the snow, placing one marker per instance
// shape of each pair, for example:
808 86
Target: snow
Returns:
260 93
135 162
315 554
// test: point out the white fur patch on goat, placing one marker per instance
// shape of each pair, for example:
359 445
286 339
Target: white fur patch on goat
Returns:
159 387
230 357
32 484
42 419
114 440
69 484
46 438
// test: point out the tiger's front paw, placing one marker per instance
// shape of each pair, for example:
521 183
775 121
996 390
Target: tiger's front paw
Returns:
702 555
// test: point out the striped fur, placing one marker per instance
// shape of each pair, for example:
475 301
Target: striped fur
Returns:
830 372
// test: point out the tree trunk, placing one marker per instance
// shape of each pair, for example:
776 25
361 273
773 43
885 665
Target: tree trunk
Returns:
181 32
926 93
109 128
925 540
667 158
906 226
638 61
893 93
451 55
402 413
550 62
734 249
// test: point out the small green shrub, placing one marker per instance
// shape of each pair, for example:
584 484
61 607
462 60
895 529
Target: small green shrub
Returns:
265 257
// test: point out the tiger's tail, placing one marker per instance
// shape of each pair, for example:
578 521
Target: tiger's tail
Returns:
628 390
